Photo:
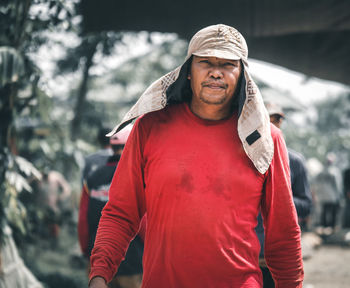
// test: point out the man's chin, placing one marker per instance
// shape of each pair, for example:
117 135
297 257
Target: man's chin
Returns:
213 100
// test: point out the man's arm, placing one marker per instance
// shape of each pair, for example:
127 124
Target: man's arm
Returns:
62 182
282 232
98 282
123 212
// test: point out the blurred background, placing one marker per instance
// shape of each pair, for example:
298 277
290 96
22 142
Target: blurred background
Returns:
70 68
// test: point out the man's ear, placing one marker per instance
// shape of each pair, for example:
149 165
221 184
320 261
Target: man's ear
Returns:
189 76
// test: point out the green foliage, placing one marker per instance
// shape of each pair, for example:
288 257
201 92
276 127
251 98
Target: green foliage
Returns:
89 44
22 23
147 68
12 66
333 126
327 132
112 93
11 70
16 182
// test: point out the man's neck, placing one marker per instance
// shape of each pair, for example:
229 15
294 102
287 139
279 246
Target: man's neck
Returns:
211 112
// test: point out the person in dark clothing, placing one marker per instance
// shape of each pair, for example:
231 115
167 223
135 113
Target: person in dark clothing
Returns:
97 185
92 161
302 197
100 157
300 185
328 192
346 179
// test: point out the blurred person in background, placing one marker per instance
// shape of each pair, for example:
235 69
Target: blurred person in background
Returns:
96 186
92 161
56 189
54 195
346 187
100 157
328 194
302 197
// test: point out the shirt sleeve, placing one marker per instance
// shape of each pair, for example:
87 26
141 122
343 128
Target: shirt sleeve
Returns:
282 233
123 212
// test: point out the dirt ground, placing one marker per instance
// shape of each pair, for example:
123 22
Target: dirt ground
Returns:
57 263
329 267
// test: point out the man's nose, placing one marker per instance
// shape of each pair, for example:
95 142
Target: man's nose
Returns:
215 72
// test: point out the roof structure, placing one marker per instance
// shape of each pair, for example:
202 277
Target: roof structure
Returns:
308 36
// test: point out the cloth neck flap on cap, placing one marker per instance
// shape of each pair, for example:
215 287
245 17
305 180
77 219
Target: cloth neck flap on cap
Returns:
253 122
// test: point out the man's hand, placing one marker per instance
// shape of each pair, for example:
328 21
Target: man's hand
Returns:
98 282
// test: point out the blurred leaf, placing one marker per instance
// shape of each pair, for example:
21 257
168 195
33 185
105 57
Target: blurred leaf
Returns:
27 168
17 181
11 66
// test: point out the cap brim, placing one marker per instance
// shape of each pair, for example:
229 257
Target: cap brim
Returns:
217 53
276 113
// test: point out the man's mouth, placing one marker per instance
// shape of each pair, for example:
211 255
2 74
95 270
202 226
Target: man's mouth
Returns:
214 85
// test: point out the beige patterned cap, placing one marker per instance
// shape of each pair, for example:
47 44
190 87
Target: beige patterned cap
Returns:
219 41
225 42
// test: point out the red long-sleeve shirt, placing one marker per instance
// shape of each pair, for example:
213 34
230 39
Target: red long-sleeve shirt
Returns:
202 196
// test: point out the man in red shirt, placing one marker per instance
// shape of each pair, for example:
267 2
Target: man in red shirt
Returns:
201 161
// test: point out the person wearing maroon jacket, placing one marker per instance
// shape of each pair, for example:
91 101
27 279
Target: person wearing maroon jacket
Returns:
92 161
202 160
96 186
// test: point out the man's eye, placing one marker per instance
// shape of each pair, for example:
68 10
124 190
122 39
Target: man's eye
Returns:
204 61
230 64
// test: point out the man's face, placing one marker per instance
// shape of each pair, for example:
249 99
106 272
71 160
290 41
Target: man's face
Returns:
276 120
214 80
